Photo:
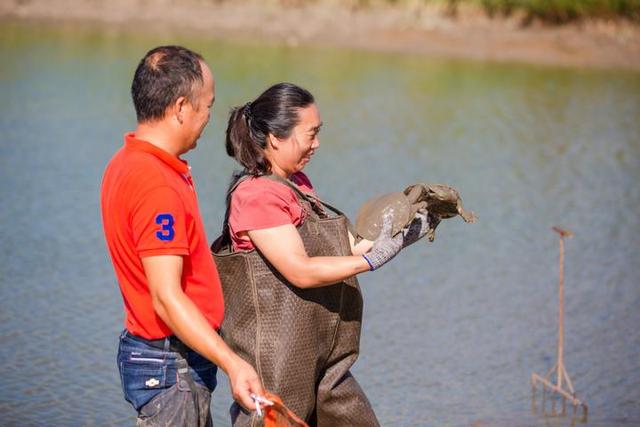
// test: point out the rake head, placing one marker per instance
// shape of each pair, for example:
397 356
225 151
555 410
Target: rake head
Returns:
556 393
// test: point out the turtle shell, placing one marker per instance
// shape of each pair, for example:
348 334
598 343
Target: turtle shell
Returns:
369 218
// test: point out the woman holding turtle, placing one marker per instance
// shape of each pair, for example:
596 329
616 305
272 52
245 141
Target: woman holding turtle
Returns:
288 262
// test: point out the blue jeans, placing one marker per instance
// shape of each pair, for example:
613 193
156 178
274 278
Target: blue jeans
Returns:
147 372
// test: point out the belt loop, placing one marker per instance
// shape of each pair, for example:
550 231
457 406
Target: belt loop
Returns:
167 344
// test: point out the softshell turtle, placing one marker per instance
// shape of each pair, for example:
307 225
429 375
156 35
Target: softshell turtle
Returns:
369 219
440 201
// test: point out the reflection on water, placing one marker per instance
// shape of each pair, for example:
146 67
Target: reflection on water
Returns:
453 329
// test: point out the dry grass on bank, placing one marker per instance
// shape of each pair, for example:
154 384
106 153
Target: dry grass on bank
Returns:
464 29
547 11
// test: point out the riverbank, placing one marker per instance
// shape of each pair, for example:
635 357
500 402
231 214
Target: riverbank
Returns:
417 29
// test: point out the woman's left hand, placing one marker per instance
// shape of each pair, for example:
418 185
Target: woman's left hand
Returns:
417 229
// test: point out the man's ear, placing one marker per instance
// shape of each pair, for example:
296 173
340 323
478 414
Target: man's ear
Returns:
178 108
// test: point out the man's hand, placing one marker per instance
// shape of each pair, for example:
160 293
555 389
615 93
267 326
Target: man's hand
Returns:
244 382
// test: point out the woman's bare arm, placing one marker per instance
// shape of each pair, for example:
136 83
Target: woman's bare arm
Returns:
284 249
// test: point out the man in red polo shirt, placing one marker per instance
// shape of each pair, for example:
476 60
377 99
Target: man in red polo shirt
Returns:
170 349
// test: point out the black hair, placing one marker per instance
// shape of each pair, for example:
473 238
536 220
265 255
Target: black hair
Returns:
274 112
164 74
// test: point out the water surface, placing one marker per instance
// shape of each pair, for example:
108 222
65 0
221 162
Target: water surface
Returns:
453 329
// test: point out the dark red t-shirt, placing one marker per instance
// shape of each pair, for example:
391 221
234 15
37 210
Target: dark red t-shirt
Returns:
260 203
150 207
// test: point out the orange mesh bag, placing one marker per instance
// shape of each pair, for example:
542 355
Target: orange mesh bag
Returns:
278 415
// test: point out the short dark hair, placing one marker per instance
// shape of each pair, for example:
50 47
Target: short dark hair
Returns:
164 74
274 112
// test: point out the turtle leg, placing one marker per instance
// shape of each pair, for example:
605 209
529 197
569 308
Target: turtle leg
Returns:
416 207
468 216
433 223
414 193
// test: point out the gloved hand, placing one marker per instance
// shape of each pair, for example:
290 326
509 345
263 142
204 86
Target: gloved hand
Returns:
386 246
417 229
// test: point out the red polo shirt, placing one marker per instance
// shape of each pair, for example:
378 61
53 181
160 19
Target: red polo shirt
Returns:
150 207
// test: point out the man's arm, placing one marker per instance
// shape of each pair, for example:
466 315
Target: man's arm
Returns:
176 309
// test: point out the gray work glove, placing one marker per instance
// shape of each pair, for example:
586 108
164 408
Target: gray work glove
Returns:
386 246
417 229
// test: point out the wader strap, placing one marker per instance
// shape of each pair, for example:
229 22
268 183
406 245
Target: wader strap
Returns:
309 197
223 243
313 199
184 375
238 182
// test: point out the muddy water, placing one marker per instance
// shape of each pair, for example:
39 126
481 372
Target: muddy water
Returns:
453 329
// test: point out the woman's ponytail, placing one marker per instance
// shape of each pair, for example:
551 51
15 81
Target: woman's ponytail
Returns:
245 144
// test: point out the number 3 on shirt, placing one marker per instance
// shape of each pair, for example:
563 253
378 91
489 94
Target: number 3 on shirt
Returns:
166 231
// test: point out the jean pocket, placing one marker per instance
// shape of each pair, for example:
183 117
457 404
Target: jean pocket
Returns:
142 380
178 405
168 401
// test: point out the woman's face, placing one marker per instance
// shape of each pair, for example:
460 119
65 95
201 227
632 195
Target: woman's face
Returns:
293 153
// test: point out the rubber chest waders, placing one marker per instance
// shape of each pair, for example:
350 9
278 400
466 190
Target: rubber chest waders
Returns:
302 342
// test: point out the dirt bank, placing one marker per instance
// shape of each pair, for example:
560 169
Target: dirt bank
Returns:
427 30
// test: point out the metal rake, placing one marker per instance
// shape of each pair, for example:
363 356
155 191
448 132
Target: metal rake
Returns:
561 376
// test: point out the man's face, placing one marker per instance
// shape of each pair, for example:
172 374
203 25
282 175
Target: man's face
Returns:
198 112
